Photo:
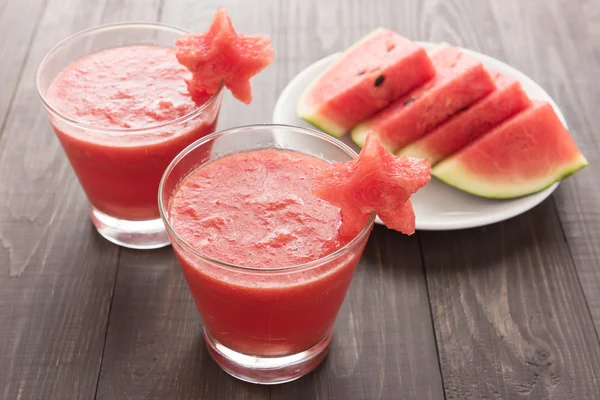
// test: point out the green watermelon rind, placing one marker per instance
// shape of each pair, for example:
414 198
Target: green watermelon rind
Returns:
452 173
415 151
324 124
359 132
313 117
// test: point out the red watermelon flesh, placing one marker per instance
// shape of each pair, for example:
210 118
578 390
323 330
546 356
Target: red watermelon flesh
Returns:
376 181
369 75
508 99
221 55
523 155
460 81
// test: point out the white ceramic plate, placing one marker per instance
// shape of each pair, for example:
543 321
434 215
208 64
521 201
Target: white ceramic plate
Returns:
437 206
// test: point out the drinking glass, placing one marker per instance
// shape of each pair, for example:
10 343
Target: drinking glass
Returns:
273 324
119 169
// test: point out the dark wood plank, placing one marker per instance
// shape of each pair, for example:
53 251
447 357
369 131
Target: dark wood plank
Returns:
557 40
57 274
131 10
510 317
568 70
383 345
384 338
18 22
509 314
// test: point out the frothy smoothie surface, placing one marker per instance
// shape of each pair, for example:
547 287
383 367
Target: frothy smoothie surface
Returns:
256 209
123 87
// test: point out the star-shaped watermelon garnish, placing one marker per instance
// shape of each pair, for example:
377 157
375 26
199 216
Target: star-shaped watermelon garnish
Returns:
376 181
222 55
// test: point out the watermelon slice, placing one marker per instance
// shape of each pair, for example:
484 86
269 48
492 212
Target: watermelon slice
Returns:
460 81
375 181
524 155
222 55
508 99
371 74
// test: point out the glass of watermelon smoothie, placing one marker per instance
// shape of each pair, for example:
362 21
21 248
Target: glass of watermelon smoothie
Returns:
262 256
118 101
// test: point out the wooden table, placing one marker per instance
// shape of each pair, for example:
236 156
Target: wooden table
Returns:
506 311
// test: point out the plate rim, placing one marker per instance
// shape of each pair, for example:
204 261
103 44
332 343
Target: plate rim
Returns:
446 225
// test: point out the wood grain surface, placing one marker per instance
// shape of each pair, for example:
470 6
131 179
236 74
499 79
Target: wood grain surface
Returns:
57 274
509 315
508 311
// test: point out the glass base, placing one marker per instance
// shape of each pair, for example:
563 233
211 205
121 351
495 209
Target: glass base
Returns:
140 235
267 370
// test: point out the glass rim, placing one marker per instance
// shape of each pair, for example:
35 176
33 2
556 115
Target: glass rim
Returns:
119 25
322 260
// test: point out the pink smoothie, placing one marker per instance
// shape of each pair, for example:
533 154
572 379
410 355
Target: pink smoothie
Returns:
125 89
256 209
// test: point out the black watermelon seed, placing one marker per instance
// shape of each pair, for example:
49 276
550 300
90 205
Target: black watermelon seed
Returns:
379 80
407 102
